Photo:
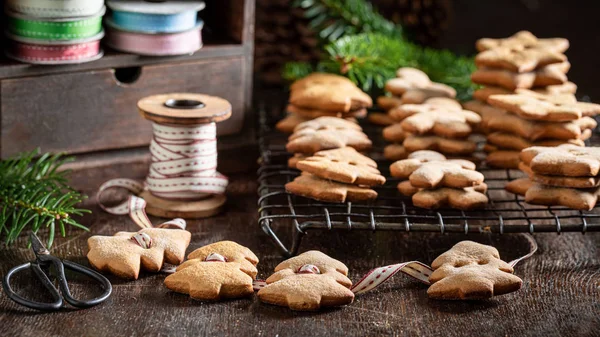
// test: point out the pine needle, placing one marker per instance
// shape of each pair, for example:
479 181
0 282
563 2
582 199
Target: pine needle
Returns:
34 194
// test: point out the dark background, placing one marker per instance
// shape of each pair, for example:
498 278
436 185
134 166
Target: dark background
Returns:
576 20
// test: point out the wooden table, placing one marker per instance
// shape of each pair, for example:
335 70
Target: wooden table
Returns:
560 294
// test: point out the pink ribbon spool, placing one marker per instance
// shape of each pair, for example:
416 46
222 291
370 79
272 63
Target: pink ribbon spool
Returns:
55 54
155 44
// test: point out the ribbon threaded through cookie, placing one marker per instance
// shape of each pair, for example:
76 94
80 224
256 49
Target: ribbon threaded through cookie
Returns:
309 269
143 240
215 257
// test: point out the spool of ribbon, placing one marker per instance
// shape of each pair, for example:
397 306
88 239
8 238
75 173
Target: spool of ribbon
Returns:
167 44
71 29
54 54
154 17
56 9
183 177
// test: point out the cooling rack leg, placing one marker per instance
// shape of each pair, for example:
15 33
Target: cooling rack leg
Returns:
266 227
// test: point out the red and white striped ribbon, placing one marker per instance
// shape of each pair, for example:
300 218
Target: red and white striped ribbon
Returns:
184 163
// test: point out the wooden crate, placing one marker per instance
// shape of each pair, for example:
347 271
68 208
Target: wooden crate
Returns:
91 107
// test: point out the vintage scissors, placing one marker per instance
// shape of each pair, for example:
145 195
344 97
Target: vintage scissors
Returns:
41 269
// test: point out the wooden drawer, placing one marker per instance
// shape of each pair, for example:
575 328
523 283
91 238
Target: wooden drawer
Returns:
92 111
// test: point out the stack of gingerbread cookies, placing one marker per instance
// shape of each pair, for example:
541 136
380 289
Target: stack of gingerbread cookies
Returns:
566 175
532 73
438 124
433 181
324 95
337 175
411 86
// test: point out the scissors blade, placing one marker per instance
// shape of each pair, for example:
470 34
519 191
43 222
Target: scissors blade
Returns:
37 245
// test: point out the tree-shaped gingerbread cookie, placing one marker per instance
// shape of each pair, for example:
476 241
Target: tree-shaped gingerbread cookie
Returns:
125 253
471 271
223 269
308 281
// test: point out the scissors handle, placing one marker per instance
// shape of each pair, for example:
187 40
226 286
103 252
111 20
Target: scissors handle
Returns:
62 282
58 302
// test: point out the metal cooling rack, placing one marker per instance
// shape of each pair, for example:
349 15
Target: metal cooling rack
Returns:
286 217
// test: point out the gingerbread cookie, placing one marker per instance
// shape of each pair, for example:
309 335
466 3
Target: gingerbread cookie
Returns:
316 113
579 199
407 189
388 102
395 133
309 186
324 134
558 108
428 173
220 270
289 123
518 59
323 123
395 152
346 154
315 92
125 253
560 181
380 118
349 171
446 121
482 94
553 74
471 271
293 160
538 130
505 159
487 113
524 39
519 186
309 281
510 141
414 86
564 160
458 198
457 147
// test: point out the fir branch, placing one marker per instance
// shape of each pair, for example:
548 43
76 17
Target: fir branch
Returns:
368 49
34 194
336 18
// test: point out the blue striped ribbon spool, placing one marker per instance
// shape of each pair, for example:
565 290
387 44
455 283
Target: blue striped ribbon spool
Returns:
154 23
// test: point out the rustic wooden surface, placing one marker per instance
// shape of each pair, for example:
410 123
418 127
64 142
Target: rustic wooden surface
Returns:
560 295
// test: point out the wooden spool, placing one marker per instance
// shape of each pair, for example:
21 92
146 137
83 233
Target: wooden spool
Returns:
184 109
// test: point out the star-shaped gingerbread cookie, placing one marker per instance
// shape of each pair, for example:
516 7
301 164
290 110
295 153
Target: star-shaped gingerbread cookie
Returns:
534 106
471 271
125 253
518 59
564 160
220 270
414 86
552 74
524 39
308 281
456 173
442 119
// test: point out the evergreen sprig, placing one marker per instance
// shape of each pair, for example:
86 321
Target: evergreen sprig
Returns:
34 194
366 47
336 18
